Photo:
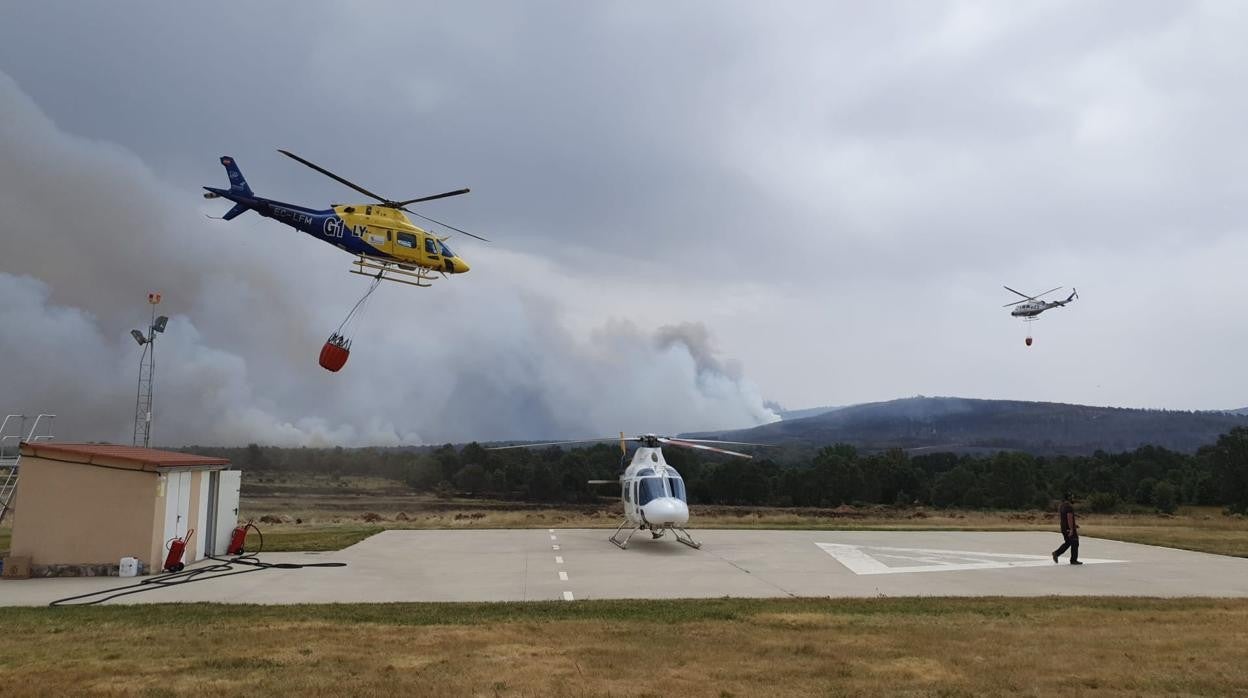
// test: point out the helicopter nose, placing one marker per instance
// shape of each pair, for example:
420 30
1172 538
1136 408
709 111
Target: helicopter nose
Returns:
460 265
665 511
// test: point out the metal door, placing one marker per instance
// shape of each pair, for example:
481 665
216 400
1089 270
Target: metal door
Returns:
177 504
226 503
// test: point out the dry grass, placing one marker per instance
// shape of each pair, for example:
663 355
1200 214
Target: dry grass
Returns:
694 648
332 522
338 512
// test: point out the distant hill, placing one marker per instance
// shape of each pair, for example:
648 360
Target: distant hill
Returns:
969 425
802 413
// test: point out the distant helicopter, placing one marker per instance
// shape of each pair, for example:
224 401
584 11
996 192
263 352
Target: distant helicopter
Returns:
386 243
1030 307
652 491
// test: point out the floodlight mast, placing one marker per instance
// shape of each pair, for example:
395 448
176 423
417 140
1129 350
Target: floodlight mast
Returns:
147 373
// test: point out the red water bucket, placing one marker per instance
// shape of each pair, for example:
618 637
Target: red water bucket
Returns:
323 360
333 357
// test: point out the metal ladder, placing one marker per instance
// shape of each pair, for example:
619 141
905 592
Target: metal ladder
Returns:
13 432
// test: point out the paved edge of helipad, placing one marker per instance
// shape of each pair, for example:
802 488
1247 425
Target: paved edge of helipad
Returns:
578 564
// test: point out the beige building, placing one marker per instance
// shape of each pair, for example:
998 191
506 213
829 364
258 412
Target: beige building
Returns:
93 504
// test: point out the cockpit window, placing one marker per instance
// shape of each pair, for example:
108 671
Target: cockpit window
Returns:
644 472
446 251
431 246
677 486
649 488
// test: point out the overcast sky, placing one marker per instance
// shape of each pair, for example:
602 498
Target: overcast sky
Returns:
695 208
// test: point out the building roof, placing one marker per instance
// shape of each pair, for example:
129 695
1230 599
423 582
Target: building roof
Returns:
135 457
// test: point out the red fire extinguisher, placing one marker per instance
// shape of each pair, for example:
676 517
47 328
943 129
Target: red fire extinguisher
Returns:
238 538
177 547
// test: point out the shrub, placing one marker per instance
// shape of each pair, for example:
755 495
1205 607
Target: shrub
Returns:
1103 502
1165 497
1144 491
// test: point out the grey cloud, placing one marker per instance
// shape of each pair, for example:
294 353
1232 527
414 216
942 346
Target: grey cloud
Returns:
834 190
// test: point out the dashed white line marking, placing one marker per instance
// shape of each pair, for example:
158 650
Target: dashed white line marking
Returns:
554 538
551 530
558 559
554 547
567 596
563 576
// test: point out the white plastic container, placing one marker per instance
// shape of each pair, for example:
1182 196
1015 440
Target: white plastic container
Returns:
129 567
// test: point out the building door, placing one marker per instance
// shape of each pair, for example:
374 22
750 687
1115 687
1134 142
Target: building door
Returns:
210 525
225 508
200 543
177 505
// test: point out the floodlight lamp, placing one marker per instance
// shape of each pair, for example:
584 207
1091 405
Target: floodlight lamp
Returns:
159 325
138 337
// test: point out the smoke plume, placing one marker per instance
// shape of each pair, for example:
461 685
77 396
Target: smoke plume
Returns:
88 229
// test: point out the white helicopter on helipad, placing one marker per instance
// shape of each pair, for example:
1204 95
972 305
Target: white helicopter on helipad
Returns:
652 491
1030 307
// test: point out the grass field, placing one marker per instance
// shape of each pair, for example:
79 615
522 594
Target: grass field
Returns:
695 648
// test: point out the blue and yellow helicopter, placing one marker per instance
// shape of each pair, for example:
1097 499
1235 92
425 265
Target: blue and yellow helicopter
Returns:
386 243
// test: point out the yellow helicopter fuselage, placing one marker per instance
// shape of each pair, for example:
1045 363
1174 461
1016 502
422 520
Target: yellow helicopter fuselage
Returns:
386 233
378 232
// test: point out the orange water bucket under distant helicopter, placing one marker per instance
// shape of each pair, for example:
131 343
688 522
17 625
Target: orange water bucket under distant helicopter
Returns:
334 354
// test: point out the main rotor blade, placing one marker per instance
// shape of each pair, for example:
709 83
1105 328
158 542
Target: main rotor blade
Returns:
443 195
333 176
1025 296
700 447
714 441
602 482
444 225
553 443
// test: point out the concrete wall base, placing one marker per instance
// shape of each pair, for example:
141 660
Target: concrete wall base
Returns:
74 570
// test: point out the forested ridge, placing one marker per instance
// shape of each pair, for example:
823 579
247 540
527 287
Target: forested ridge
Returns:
1148 476
967 425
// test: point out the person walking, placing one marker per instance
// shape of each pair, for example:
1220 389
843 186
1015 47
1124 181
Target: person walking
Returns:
1070 530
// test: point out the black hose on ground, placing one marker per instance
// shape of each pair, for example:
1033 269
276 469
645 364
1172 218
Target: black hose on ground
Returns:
225 567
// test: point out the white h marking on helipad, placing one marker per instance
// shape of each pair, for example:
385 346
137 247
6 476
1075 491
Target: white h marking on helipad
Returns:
859 561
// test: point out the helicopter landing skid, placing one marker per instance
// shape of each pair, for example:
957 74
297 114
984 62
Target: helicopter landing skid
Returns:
623 545
392 271
683 536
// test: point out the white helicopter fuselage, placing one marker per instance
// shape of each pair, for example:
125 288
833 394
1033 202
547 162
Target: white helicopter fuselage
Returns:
1032 309
653 492
1031 306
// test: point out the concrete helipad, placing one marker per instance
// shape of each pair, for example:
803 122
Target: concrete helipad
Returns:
542 564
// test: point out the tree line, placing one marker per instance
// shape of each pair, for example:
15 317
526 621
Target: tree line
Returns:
1151 477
